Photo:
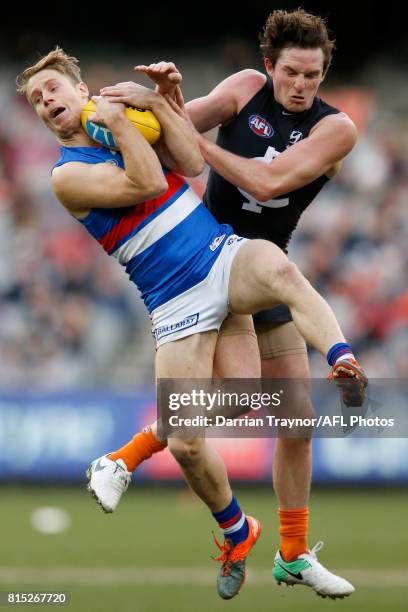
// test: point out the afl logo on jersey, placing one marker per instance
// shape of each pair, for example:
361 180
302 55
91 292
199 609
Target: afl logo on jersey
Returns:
260 126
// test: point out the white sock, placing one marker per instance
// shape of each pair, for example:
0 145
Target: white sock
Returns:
345 356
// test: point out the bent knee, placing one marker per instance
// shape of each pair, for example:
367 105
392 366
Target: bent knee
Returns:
295 445
289 272
186 451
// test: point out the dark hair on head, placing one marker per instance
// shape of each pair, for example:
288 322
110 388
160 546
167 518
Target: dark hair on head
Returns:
285 29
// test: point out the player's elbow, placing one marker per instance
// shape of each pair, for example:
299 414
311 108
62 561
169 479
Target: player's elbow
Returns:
146 190
156 188
266 189
195 167
280 186
263 193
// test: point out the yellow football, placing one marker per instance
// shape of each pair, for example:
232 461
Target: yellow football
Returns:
142 120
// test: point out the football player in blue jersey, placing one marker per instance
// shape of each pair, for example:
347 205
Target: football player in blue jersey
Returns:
149 219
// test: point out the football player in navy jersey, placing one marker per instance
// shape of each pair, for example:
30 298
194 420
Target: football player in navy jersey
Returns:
277 146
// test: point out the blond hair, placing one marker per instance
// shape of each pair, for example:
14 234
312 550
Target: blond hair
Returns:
56 59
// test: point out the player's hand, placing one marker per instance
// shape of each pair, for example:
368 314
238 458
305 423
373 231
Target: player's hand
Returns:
106 110
132 94
164 74
176 101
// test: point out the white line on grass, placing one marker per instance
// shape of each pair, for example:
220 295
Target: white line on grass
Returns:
90 576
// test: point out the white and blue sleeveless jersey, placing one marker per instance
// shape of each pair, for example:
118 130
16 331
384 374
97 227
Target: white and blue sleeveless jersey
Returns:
167 244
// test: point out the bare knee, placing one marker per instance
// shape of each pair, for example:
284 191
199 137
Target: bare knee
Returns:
294 446
303 415
288 273
186 452
287 282
301 406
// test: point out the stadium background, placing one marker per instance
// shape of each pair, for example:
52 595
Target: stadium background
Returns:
70 322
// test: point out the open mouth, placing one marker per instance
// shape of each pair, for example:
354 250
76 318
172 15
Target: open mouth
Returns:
57 111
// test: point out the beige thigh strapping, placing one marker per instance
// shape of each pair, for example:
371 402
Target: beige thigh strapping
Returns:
236 325
277 339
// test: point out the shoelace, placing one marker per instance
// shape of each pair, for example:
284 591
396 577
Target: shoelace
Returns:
122 474
318 546
230 554
225 557
347 372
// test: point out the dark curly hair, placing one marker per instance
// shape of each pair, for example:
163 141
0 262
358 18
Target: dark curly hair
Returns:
285 29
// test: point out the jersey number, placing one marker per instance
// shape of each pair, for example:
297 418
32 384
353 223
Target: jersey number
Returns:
252 204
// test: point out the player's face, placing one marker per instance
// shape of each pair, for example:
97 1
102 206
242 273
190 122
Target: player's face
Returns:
57 101
296 77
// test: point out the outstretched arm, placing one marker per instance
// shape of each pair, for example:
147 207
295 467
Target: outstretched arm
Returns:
220 106
320 153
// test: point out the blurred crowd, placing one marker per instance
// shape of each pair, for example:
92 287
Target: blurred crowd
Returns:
352 244
70 317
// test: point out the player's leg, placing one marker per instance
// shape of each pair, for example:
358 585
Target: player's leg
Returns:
109 476
189 358
204 469
236 338
236 351
262 277
284 355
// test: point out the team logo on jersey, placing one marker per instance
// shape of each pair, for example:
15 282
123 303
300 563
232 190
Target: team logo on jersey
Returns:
260 126
234 238
216 242
295 137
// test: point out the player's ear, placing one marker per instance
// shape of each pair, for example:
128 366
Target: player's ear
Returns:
83 88
268 66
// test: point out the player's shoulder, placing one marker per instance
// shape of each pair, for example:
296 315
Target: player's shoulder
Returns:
242 87
67 171
64 177
337 123
247 78
68 176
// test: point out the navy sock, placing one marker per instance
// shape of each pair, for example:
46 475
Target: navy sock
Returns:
337 350
233 522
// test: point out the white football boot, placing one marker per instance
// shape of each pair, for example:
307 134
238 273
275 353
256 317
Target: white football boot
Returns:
108 480
307 570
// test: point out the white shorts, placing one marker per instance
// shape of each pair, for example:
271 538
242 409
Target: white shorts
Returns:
203 307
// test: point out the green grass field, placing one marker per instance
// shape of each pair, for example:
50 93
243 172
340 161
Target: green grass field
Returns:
154 553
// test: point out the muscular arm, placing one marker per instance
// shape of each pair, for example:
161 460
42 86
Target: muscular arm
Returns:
80 187
220 106
320 153
178 148
225 101
331 140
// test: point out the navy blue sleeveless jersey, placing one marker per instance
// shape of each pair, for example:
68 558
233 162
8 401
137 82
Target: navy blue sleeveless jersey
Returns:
262 130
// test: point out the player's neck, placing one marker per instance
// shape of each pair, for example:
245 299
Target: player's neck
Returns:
81 139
